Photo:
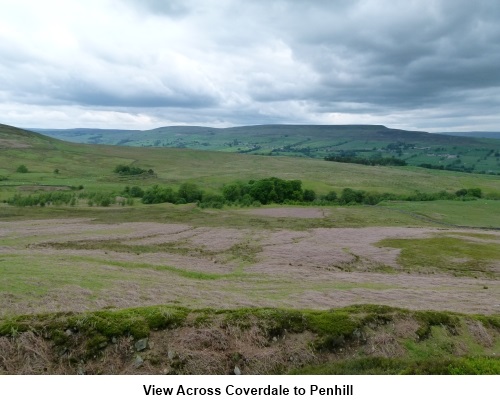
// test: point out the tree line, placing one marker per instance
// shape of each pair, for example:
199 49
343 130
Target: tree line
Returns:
265 191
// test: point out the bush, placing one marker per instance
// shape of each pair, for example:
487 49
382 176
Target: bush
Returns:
266 191
158 195
134 191
124 170
211 201
189 192
331 196
309 195
22 169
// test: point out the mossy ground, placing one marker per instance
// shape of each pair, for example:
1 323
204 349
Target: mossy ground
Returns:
446 253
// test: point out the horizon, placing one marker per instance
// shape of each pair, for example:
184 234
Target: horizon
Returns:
242 126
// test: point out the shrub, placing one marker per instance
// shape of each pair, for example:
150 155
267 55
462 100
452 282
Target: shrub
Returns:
134 191
331 196
22 169
158 194
124 170
211 201
309 195
189 192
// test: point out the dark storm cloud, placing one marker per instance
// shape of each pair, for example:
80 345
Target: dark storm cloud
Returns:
411 56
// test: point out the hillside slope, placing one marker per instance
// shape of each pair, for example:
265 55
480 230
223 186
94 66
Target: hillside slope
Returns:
471 154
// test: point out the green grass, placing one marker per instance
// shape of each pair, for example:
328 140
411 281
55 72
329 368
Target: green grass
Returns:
444 253
392 366
479 213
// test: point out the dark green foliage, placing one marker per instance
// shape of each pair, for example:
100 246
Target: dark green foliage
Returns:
233 192
22 169
371 161
158 194
134 191
309 195
189 192
350 196
431 166
331 196
266 191
211 201
125 170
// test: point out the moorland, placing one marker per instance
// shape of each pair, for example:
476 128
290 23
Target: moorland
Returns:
398 274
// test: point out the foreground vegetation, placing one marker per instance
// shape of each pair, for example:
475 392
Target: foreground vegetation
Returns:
172 340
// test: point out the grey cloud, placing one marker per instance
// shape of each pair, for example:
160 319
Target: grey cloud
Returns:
171 8
421 65
97 96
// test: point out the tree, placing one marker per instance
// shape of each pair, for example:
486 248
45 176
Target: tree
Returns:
331 196
189 192
22 169
309 195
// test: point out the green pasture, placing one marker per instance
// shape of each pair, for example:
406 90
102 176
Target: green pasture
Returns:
479 213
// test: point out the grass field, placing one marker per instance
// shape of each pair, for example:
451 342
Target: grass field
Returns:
127 272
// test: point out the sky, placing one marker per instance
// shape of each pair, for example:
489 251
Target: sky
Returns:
431 65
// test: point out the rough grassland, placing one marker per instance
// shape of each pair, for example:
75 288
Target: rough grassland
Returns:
80 265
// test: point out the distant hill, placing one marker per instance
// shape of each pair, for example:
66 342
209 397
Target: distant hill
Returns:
17 138
450 152
477 134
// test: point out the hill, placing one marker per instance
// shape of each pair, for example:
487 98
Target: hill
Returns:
470 154
17 138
